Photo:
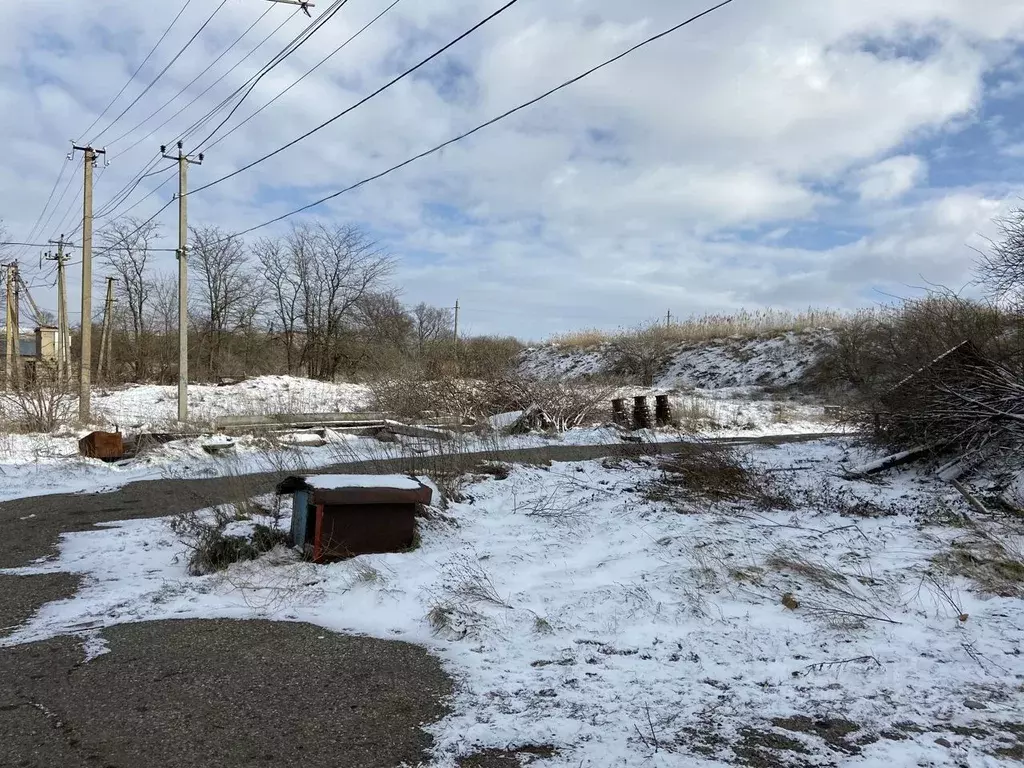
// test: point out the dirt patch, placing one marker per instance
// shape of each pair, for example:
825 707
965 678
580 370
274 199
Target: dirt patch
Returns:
761 749
833 731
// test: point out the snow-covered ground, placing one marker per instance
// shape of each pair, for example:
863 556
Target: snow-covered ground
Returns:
41 464
148 405
735 362
574 611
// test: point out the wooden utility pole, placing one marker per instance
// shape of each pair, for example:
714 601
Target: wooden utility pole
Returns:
668 319
63 326
183 163
103 368
85 367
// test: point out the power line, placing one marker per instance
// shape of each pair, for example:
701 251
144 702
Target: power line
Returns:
152 164
207 69
63 194
138 69
291 48
365 99
162 72
210 87
32 231
490 122
308 72
122 197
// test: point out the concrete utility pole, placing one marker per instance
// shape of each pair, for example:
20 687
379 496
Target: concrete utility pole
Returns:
103 368
15 314
10 332
63 326
183 163
85 368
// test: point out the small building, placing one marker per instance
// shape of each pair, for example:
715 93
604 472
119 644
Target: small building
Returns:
37 349
339 516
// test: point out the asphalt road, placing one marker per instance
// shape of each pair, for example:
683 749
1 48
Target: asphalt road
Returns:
216 693
184 694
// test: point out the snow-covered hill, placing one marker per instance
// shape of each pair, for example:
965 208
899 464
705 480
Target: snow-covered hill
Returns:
778 361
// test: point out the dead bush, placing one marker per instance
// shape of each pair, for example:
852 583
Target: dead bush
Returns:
562 404
485 357
715 473
641 354
38 406
211 549
940 370
414 397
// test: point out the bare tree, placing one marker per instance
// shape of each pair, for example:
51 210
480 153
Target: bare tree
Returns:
1001 267
338 267
225 287
163 320
431 324
125 249
283 285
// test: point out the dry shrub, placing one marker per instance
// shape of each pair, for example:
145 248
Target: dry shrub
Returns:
641 354
412 398
713 473
941 370
563 404
875 350
695 414
38 406
211 549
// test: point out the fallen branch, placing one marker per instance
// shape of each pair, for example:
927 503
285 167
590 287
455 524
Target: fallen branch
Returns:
888 462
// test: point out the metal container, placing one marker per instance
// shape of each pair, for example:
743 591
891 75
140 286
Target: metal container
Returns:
108 446
334 518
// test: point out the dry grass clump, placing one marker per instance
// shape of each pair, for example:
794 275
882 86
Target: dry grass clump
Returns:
713 473
821 591
697 328
994 566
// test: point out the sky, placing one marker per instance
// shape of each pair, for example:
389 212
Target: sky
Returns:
783 154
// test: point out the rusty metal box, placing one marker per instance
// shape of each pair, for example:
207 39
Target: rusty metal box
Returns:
108 446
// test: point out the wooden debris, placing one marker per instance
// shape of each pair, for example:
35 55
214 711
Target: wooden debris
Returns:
888 462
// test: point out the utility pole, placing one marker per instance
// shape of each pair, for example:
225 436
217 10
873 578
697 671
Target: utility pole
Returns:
456 334
11 333
85 368
16 322
63 327
103 369
668 319
183 163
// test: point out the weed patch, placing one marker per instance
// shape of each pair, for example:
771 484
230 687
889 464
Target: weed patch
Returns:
211 548
713 473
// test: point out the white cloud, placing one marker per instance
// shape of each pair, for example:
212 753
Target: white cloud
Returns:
645 185
891 178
